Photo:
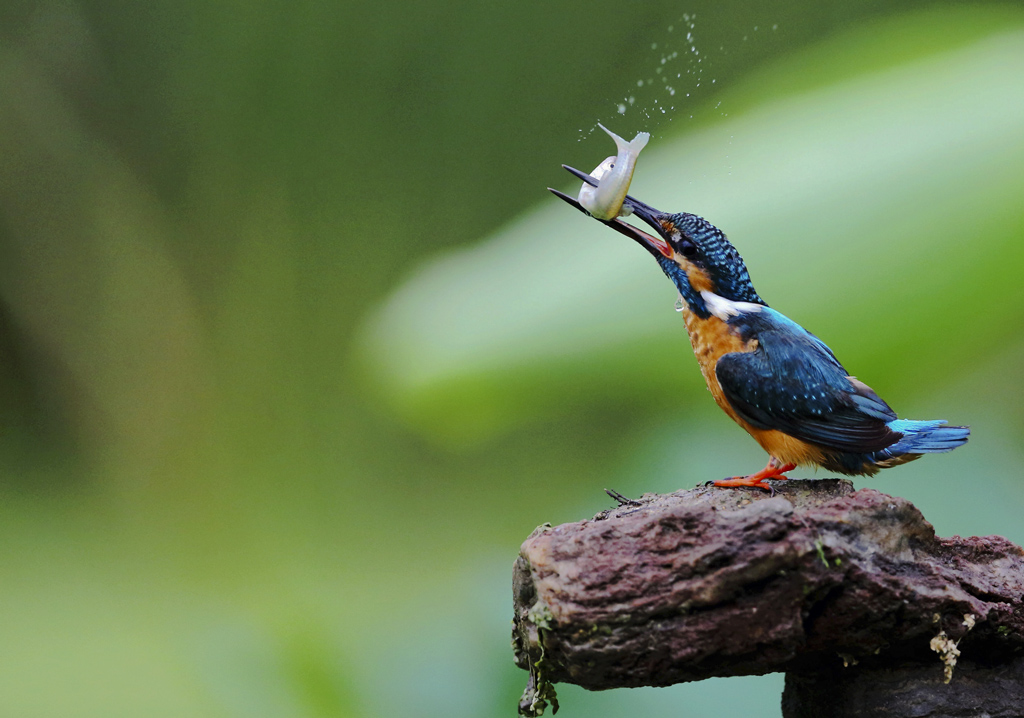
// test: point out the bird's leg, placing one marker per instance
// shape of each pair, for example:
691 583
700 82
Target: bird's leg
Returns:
774 470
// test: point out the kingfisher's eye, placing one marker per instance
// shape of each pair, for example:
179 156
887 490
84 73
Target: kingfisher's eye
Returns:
688 249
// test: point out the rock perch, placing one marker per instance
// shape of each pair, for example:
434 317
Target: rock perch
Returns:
823 582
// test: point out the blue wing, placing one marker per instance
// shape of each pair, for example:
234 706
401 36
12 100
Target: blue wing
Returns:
793 383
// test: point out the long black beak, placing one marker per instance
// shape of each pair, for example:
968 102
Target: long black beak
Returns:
655 245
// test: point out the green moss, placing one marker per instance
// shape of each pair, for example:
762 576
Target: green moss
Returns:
540 616
542 695
539 692
820 548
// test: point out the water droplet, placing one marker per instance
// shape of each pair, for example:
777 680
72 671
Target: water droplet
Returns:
654 46
670 28
639 83
622 109
680 303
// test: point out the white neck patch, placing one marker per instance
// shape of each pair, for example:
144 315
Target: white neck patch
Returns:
726 309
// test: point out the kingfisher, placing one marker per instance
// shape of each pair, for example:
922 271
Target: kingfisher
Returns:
774 378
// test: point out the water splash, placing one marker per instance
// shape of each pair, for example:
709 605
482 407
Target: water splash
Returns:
674 79
675 66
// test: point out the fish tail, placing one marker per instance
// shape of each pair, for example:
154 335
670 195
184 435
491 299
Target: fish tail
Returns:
630 148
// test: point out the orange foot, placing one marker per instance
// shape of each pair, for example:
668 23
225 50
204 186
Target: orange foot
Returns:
771 471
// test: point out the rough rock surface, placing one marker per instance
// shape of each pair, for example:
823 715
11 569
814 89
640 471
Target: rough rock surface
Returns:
711 582
907 689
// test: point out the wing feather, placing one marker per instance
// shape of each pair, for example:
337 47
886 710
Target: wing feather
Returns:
793 383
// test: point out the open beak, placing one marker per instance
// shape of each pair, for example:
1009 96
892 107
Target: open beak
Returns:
655 245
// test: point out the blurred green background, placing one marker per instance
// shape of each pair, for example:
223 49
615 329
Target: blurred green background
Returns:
295 349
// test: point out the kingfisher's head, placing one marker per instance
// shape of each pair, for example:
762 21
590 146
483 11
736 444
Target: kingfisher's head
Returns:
695 255
692 252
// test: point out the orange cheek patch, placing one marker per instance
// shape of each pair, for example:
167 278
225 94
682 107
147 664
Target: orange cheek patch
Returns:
699 279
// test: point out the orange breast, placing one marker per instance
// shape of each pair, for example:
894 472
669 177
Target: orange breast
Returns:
711 339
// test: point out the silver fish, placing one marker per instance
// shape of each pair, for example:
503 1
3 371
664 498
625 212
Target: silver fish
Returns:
613 176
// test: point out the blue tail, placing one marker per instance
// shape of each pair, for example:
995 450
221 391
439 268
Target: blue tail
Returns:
919 437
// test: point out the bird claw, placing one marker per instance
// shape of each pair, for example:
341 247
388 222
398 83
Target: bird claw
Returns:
620 499
762 485
774 470
744 482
